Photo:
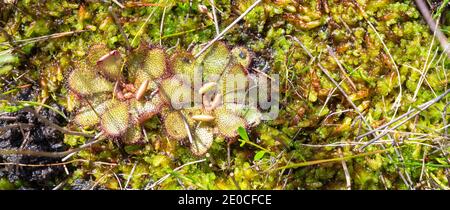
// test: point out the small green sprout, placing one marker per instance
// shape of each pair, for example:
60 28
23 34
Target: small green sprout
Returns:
245 139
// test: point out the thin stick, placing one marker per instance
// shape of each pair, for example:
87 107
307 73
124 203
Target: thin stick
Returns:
228 156
8 118
117 21
56 35
444 118
60 185
396 126
216 22
57 164
425 79
92 107
88 143
15 125
131 174
227 28
335 113
141 4
286 179
344 166
344 73
118 4
425 69
161 27
185 122
55 126
423 8
316 162
118 181
189 11
328 98
101 179
47 154
145 134
420 108
184 32
342 144
143 25
423 165
295 89
383 181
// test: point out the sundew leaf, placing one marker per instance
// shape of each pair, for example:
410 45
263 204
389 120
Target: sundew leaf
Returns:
84 81
95 53
97 99
133 135
236 74
147 64
178 92
110 65
251 114
87 117
203 140
135 63
242 55
234 84
174 125
115 120
141 77
144 110
215 60
237 69
155 63
183 64
227 122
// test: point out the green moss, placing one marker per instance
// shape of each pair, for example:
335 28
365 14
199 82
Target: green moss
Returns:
6 185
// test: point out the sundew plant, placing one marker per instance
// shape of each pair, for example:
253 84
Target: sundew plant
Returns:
159 84
207 94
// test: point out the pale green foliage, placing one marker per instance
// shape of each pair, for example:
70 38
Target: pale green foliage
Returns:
83 80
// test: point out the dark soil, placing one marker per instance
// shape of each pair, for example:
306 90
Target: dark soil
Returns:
38 137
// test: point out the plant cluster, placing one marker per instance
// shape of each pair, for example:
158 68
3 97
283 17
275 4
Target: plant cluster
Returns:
120 93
